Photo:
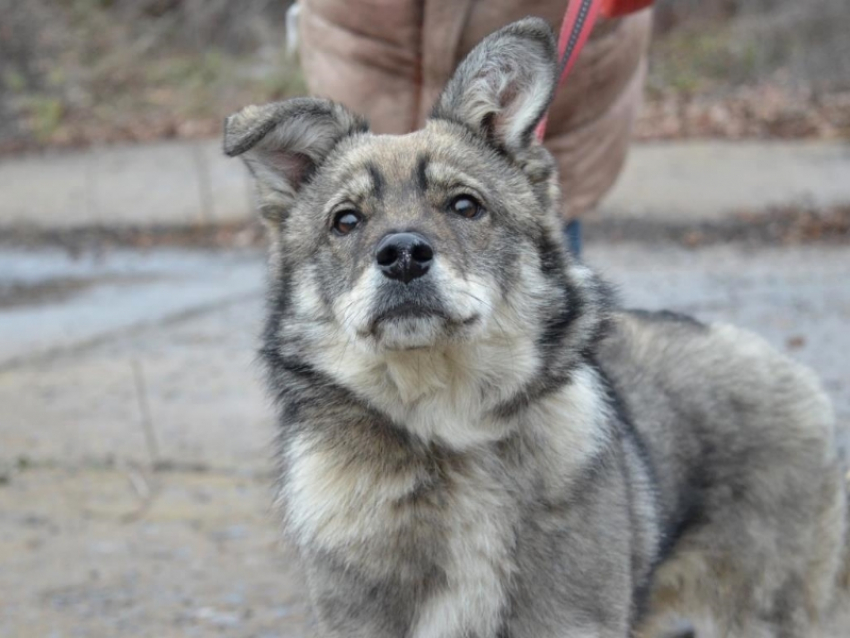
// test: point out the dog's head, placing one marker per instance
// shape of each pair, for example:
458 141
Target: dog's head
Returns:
445 236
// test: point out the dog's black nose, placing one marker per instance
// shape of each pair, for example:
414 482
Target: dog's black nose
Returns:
404 256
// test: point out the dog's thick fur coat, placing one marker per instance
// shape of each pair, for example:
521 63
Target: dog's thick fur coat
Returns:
494 449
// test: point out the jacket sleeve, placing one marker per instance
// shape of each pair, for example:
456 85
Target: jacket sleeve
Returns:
364 54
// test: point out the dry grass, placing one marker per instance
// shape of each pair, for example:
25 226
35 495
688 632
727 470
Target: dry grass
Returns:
715 45
790 224
749 68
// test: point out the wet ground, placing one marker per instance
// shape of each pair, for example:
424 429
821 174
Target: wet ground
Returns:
135 473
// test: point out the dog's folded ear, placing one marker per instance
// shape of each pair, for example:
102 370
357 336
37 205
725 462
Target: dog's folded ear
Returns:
284 143
504 86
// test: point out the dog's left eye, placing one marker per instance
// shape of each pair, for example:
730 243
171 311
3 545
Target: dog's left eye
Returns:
466 206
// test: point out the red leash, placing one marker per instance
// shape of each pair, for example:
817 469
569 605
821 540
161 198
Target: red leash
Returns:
578 22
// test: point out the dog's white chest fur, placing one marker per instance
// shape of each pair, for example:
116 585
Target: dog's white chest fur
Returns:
338 508
478 564
355 508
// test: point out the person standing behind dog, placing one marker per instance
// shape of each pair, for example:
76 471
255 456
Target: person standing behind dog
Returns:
389 59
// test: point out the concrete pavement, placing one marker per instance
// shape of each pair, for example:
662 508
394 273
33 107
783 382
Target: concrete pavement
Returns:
185 183
53 302
164 183
95 542
706 180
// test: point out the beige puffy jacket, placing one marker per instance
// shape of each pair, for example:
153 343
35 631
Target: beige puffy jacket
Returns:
389 59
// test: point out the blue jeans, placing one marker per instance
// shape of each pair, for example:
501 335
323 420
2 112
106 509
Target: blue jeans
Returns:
572 236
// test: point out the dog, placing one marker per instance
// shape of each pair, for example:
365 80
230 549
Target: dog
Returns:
475 440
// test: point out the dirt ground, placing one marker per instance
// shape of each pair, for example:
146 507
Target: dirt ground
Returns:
105 552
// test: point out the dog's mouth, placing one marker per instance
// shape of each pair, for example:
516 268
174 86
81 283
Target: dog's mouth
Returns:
405 311
415 324
417 315
410 316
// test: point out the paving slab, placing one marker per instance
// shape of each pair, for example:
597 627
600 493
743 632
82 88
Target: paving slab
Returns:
161 185
230 192
174 183
47 191
707 180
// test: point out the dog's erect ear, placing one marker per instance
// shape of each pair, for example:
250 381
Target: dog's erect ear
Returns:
284 143
504 86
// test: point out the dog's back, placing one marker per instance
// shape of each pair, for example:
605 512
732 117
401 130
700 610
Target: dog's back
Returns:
742 445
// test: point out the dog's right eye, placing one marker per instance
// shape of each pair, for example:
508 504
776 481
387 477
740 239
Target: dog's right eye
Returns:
345 221
466 206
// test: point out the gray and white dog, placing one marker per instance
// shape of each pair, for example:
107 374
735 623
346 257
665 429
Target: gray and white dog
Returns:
475 441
